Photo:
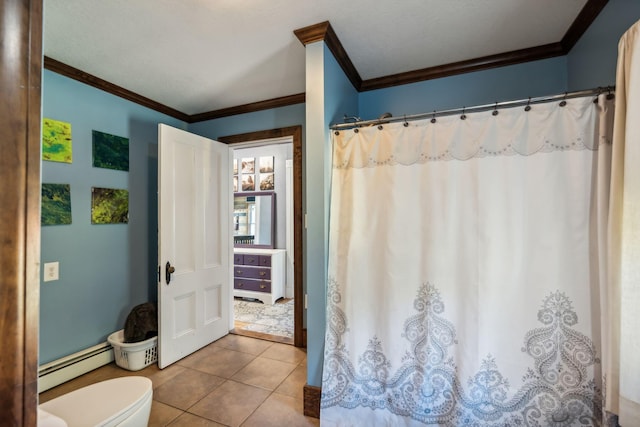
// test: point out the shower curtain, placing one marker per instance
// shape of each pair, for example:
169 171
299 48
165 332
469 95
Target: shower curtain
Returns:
464 270
621 299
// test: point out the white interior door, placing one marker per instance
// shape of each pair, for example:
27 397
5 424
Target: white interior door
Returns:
194 214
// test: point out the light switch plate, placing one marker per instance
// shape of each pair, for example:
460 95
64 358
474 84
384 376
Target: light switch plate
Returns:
51 271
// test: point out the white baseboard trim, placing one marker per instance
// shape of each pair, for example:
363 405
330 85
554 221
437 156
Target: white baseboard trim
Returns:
67 368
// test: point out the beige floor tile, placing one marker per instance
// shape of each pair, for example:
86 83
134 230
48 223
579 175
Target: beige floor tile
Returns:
293 385
185 389
162 415
203 352
279 410
160 376
190 420
223 363
285 353
230 404
200 385
265 373
243 344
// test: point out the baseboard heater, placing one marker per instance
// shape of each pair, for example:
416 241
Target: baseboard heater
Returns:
69 367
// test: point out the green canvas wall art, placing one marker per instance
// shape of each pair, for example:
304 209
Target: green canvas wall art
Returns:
56 141
110 151
109 206
56 204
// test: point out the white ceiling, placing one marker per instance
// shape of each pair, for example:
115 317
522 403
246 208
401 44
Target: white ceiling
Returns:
202 55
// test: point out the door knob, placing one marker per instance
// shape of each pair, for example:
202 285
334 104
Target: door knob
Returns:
168 271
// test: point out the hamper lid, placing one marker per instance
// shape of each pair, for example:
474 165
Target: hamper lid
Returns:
102 402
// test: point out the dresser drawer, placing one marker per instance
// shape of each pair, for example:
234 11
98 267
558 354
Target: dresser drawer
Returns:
238 259
252 285
244 259
251 259
251 272
265 261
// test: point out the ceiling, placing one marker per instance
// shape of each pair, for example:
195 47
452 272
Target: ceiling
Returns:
199 56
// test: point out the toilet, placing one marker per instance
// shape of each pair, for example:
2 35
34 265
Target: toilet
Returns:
122 402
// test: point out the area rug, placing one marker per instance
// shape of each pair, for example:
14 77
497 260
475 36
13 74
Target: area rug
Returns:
276 319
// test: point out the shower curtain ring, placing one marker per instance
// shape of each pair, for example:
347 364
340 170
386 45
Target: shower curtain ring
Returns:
564 100
495 109
406 123
433 119
463 116
528 107
610 95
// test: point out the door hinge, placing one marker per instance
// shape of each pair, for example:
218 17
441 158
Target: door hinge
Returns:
158 273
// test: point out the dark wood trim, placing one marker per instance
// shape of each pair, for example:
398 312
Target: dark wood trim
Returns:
295 132
462 67
91 80
282 101
261 336
311 396
312 33
585 18
324 31
20 141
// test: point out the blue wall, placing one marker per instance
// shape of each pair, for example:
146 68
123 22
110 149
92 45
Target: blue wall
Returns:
592 61
104 269
292 115
538 78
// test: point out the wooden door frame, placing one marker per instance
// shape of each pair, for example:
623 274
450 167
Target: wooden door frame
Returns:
20 140
294 132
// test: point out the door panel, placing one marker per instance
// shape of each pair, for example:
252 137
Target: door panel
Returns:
194 221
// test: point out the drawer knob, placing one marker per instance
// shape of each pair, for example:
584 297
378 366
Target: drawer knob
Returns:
263 286
262 273
238 271
240 285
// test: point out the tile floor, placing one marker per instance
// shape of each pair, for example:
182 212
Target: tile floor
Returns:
235 381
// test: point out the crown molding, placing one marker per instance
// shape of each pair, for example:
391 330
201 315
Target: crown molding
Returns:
462 67
268 104
323 31
585 18
91 80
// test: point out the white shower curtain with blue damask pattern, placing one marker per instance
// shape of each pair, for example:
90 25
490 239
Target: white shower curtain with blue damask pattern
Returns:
464 270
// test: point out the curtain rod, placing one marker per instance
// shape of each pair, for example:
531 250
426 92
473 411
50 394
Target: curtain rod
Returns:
487 107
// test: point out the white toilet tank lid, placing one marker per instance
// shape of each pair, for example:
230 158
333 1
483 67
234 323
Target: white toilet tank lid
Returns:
100 403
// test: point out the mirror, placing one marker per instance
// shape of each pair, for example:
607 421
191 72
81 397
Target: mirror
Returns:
254 219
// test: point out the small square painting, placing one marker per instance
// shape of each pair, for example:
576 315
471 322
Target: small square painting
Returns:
248 184
110 151
266 182
266 164
56 141
248 165
56 204
109 206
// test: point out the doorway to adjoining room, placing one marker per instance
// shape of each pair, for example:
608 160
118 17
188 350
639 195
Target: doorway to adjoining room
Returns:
263 273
